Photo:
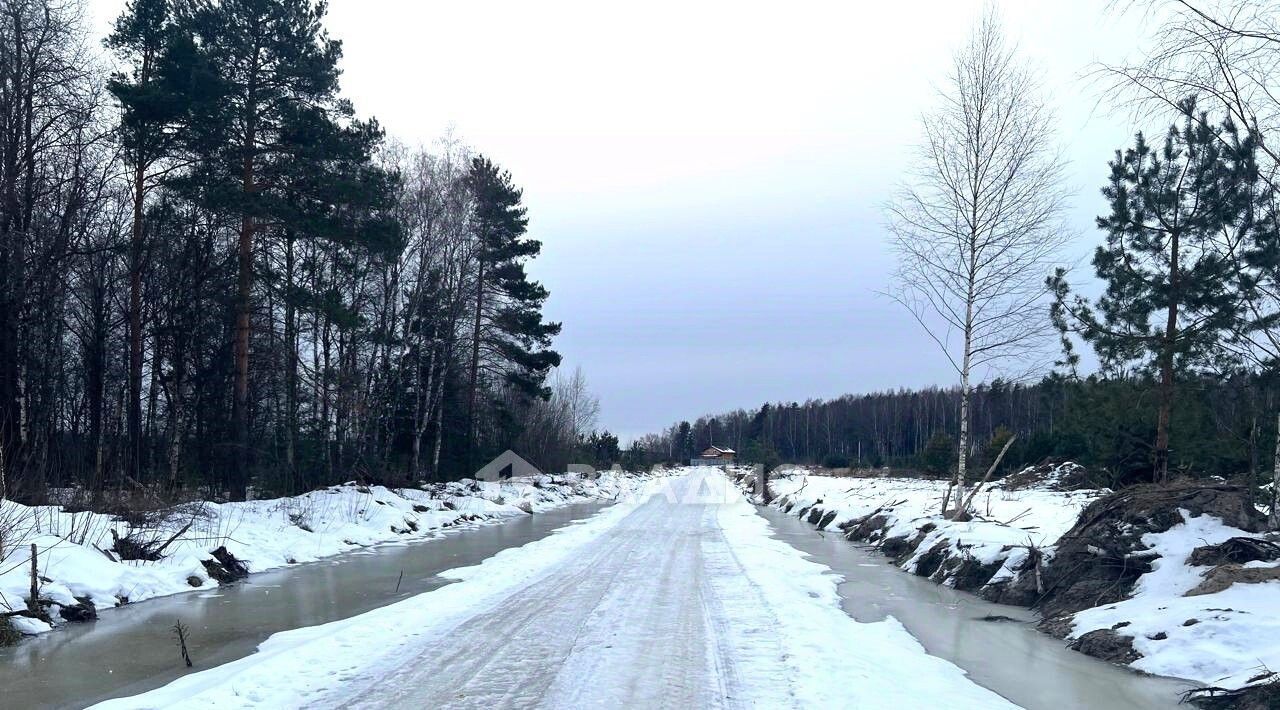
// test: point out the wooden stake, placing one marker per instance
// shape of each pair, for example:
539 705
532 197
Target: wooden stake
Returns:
33 603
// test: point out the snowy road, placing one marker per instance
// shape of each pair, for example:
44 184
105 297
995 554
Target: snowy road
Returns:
678 599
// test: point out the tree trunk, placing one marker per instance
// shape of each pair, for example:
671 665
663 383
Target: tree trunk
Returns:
326 429
244 312
1275 478
291 358
33 600
1164 414
439 417
475 368
134 459
176 420
962 460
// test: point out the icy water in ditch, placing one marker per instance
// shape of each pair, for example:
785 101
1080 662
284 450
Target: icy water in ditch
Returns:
1011 658
132 649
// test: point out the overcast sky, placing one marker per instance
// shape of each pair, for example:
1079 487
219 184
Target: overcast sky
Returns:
707 178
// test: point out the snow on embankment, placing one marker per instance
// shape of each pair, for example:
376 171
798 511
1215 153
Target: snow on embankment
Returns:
81 569
903 515
1173 580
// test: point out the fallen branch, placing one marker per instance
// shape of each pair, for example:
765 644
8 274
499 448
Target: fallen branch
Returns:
994 465
175 537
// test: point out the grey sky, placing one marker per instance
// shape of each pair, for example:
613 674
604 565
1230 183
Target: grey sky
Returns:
707 177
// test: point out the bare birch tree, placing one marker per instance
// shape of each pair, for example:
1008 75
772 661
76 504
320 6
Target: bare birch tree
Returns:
978 226
583 406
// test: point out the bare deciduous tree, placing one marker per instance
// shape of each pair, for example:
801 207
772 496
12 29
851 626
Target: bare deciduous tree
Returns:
583 407
1224 52
977 228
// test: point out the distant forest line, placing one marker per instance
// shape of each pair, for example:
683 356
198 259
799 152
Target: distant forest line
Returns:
1221 427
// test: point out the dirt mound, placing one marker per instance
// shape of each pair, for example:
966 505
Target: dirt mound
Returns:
1107 645
1099 559
1265 695
1238 549
82 610
1219 578
1066 476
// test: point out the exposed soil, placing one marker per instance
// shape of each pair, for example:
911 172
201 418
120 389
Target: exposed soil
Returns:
1053 476
1223 576
1107 645
1101 557
1238 549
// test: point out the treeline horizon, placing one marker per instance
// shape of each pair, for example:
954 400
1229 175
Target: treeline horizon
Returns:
1107 424
216 277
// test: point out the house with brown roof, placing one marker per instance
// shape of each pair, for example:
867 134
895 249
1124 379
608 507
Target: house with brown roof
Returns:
714 456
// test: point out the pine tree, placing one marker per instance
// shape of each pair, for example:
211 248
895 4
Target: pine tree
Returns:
283 153
1172 288
155 96
684 443
509 338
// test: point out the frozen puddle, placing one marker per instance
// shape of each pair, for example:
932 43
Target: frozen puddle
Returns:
1010 657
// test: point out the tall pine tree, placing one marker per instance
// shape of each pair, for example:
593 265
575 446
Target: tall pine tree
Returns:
1172 287
510 341
283 153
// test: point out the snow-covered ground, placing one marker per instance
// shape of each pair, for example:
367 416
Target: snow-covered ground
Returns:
1225 639
1222 639
1008 521
75 561
675 598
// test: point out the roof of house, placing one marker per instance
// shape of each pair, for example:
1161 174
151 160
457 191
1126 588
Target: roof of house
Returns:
719 450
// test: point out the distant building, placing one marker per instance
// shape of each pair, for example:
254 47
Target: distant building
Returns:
509 464
714 456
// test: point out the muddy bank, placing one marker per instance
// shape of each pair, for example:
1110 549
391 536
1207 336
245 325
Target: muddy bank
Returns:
997 645
1170 580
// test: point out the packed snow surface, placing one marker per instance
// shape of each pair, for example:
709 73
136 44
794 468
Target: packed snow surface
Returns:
676 598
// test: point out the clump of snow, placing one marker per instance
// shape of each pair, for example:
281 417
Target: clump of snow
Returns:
76 563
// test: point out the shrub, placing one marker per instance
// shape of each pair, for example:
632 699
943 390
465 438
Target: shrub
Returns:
835 461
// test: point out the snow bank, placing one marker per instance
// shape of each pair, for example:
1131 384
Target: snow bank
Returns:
1225 639
76 563
1006 525
1229 638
